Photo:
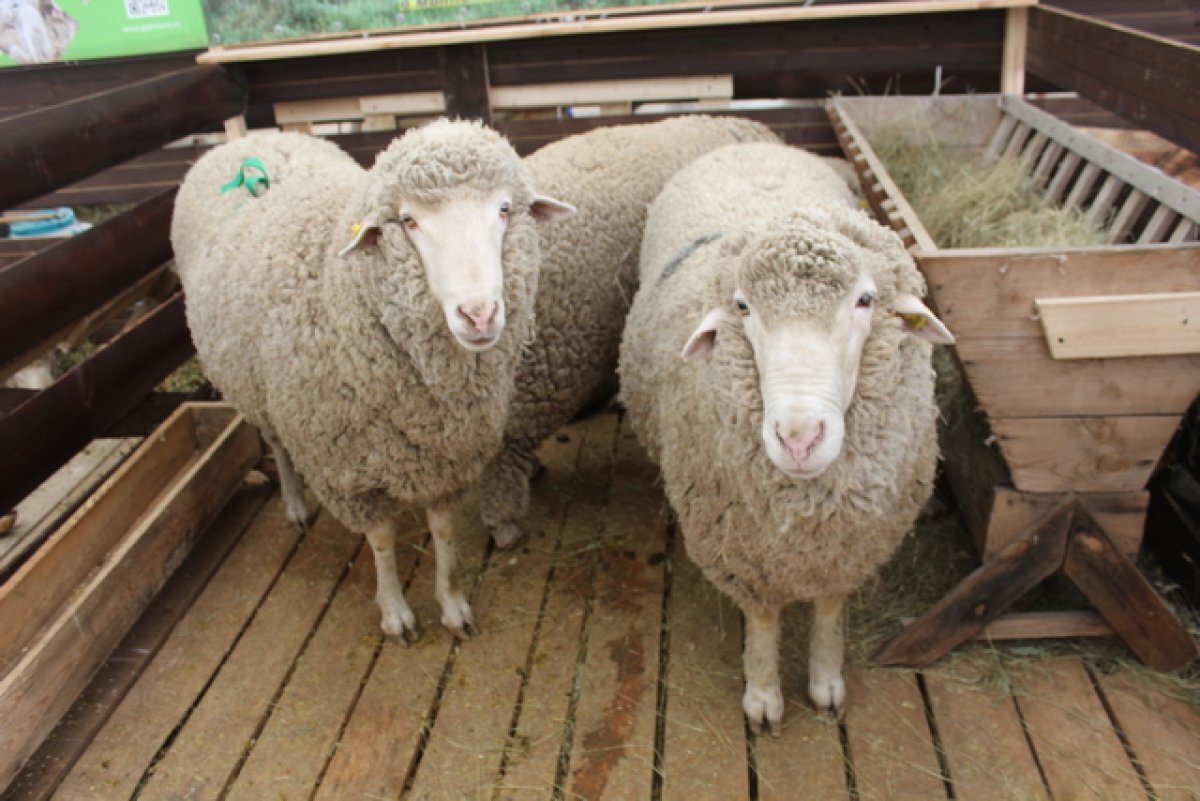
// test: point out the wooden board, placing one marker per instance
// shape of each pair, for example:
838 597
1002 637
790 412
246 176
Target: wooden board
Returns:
1163 730
1159 324
40 687
1078 749
981 734
1083 454
704 743
631 90
535 762
1122 515
889 738
117 758
612 754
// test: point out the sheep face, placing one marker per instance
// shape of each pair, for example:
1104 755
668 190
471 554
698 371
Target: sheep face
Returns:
806 300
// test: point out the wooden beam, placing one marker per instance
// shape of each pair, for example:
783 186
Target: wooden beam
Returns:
52 289
1012 64
465 82
37 689
43 150
43 433
629 90
1112 326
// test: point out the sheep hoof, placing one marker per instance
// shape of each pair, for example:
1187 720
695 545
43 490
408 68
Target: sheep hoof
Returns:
507 535
829 696
299 515
457 617
764 709
400 628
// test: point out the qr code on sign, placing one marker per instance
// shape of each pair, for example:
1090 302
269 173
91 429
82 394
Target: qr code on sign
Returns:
136 9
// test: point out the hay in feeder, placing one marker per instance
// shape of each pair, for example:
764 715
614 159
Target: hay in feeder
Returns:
965 201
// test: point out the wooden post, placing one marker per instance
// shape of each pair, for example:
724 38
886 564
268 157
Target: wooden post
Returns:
235 127
44 150
1012 65
465 82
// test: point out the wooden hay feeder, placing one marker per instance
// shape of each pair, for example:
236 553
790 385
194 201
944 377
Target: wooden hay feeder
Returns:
1082 361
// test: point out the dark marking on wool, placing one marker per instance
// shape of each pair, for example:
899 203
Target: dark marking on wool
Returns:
686 253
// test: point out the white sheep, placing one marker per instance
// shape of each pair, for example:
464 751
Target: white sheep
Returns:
588 276
368 322
34 31
768 368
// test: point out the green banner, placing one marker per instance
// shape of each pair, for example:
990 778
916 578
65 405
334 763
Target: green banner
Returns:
46 31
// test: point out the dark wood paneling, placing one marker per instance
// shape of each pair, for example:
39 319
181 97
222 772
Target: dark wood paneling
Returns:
465 82
1174 19
1149 80
43 150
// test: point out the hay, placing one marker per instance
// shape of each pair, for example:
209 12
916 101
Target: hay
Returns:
966 202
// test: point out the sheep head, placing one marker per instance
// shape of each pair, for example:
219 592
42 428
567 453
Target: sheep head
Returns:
450 192
810 289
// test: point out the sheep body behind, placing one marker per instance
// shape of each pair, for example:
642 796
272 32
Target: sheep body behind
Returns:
762 537
587 280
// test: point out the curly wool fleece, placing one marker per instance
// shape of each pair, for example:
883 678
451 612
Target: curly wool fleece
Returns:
348 358
588 276
780 224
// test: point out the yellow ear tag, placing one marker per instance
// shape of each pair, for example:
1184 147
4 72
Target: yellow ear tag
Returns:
355 228
915 321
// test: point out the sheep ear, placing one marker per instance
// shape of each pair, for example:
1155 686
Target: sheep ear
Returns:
363 234
704 338
547 209
919 320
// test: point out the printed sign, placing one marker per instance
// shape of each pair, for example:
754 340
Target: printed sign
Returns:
44 31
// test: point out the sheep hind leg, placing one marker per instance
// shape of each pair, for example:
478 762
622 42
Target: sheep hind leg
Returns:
397 619
291 485
504 496
826 649
763 699
456 612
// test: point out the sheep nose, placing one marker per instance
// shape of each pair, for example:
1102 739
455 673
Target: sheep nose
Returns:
481 314
800 439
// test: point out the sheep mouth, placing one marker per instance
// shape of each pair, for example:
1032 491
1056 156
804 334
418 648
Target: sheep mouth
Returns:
802 473
478 343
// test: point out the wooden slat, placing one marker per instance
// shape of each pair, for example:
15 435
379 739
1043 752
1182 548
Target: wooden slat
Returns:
612 754
116 759
377 751
1079 751
1157 226
990 293
1039 625
40 514
1045 163
1016 142
809 753
46 769
1033 150
1126 599
1131 208
1000 138
635 90
1122 514
704 745
50 674
1111 326
541 732
1082 184
475 717
610 25
1162 729
981 733
1185 231
1017 378
1062 176
889 737
1083 454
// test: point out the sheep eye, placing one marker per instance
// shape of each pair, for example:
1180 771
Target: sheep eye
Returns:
505 208
742 307
408 222
866 300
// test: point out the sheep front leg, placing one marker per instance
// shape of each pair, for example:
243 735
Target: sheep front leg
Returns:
456 612
826 647
763 700
398 621
291 485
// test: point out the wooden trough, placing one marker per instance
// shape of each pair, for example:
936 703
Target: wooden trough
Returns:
1082 361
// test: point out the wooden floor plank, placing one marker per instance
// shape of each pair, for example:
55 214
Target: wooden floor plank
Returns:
212 742
113 764
890 742
612 753
1164 732
1079 750
981 734
532 758
46 769
704 745
382 738
288 757
466 745
809 752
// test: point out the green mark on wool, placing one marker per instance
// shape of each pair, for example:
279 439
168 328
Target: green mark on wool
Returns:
252 174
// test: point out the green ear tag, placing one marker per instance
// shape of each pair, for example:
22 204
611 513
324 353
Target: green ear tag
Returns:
252 175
